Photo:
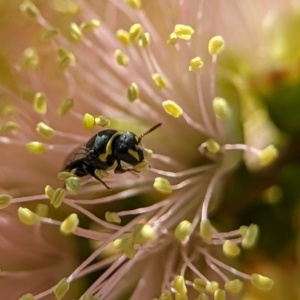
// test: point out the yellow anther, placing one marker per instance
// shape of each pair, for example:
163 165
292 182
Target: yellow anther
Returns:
57 197
73 184
5 200
212 286
163 185
159 81
183 230
30 10
219 294
27 297
124 240
89 296
61 289
30 59
221 108
66 58
40 103
129 251
179 285
206 229
273 194
88 121
212 146
7 110
172 40
36 147
121 58
50 33
142 166
123 36
250 236
262 282
231 249
45 131
69 224
195 64
90 25
134 4
42 210
243 230
101 173
166 295
181 296
102 121
147 153
112 217
135 31
64 175
27 216
144 40
65 107
216 45
199 285
9 126
202 297
133 92
268 155
172 108
75 32
67 6
183 31
49 191
234 286
143 233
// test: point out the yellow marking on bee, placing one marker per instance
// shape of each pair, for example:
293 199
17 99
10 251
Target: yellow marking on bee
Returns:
134 154
108 150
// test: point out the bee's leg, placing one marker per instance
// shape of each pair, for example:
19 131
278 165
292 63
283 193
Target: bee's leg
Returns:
120 169
90 171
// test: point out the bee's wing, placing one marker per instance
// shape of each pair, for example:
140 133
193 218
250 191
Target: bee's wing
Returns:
75 158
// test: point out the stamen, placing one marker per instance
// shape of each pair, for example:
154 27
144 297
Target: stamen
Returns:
27 216
45 131
112 217
57 197
250 235
172 40
50 33
9 126
121 58
88 121
184 32
66 58
61 289
42 210
221 108
199 285
212 146
36 147
40 103
212 286
144 40
172 108
231 249
162 185
30 10
30 59
69 224
268 155
179 285
135 32
65 107
123 36
134 4
234 286
183 230
76 32
219 294
5 200
90 25
27 297
102 121
195 64
49 191
262 282
159 81
206 230
143 233
133 92
216 45
73 184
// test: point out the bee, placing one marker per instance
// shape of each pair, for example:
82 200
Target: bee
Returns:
106 149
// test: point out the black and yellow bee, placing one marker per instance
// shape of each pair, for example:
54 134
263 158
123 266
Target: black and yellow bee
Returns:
104 150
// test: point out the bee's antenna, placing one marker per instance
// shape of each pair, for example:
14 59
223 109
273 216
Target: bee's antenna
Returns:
148 131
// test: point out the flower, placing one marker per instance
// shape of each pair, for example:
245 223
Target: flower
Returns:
129 65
